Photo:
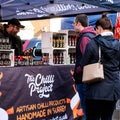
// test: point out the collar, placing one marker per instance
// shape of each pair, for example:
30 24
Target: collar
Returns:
107 33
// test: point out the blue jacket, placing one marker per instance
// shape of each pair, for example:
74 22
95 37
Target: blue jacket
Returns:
109 88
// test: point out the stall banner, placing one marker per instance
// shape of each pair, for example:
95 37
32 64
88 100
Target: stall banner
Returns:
36 9
38 93
67 22
117 27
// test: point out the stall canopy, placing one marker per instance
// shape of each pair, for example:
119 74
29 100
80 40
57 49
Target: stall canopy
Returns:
38 9
113 5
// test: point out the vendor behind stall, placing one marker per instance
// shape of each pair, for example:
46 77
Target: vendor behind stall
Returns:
10 30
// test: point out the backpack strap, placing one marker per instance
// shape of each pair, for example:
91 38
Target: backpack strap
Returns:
89 34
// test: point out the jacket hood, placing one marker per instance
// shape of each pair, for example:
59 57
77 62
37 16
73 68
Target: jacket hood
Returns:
88 29
109 45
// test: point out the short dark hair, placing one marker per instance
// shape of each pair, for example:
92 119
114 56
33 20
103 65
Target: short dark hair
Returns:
83 19
104 22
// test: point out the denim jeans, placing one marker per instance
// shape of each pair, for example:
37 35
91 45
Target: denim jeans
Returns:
81 88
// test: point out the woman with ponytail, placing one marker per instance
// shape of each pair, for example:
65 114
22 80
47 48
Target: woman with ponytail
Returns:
101 97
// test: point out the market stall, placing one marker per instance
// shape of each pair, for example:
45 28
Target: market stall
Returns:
39 93
43 91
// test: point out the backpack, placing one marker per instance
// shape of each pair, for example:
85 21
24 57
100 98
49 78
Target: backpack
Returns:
88 34
77 76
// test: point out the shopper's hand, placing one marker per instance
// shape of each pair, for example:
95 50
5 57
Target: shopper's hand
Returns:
72 72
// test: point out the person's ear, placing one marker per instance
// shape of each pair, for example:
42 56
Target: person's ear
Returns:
100 29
